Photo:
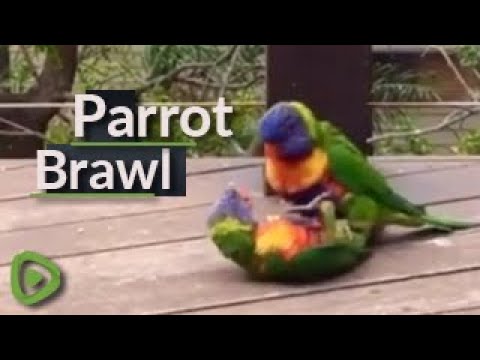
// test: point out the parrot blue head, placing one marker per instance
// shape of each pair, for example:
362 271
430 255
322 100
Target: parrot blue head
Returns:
232 204
283 130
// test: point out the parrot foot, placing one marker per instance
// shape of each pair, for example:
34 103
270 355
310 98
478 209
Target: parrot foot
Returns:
313 205
343 230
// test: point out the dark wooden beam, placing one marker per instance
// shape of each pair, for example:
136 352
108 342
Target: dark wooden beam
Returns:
334 80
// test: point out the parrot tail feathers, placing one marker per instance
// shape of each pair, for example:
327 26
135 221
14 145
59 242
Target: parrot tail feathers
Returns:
448 225
403 205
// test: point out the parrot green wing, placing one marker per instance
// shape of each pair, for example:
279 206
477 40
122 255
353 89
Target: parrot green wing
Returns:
351 167
315 264
355 172
330 135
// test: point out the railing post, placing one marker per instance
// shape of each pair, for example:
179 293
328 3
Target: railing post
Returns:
334 80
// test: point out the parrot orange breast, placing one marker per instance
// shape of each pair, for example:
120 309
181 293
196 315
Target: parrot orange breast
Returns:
290 177
284 237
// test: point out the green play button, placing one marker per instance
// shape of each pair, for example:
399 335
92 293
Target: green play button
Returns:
32 279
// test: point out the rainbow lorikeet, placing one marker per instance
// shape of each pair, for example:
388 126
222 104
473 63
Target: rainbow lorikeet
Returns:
288 247
306 157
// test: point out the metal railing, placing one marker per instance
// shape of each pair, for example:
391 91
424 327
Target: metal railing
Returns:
436 104
455 112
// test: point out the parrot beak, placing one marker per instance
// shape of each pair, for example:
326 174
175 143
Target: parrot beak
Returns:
245 196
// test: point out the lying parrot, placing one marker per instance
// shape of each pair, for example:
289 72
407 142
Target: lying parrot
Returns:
306 157
289 247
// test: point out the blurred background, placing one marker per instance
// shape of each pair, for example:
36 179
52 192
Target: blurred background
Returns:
423 97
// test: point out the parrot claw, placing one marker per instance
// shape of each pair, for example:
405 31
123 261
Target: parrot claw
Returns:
344 231
313 205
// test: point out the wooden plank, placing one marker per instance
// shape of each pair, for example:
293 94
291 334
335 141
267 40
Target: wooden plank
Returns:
99 235
462 210
14 164
422 188
193 165
201 190
427 159
115 233
397 169
176 277
213 162
468 311
217 164
25 176
429 295
436 187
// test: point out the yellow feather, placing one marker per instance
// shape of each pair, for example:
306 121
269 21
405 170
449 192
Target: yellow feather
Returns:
277 236
289 178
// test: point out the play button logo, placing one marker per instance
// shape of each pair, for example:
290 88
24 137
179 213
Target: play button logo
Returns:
30 286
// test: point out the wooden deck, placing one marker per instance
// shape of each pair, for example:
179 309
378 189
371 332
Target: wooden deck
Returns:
152 256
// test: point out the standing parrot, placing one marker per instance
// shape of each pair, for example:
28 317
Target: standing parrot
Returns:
306 157
289 247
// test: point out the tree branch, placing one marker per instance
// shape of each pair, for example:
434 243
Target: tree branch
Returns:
218 86
477 73
226 75
24 130
162 79
219 61
454 117
456 71
173 75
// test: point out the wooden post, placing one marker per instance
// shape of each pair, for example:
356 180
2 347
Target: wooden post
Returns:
333 80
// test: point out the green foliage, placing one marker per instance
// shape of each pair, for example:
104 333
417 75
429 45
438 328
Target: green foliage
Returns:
413 145
163 58
392 83
108 67
59 132
198 72
469 144
20 77
469 56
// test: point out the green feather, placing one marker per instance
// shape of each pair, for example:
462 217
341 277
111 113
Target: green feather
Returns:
307 116
314 264
362 213
235 240
361 178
